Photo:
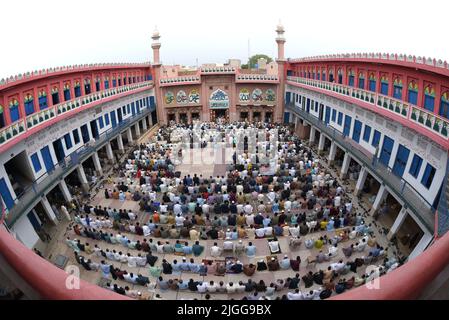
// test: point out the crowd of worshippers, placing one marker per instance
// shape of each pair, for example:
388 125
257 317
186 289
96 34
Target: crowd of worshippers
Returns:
327 279
299 198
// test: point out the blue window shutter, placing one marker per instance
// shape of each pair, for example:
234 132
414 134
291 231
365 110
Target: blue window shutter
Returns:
36 163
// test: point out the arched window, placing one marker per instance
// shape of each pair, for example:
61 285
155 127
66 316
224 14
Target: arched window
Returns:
114 82
29 104
77 89
119 81
397 88
14 110
413 92
331 75
340 76
361 80
2 118
67 95
55 95
323 76
43 100
87 89
372 82
106 83
318 74
429 98
97 85
444 105
384 85
351 78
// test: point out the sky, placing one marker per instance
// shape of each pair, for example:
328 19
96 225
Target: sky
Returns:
49 33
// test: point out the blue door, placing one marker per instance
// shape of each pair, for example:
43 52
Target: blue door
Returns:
308 105
357 131
59 150
113 119
347 126
48 161
119 113
94 129
152 104
387 147
34 222
6 195
401 160
286 117
85 133
287 97
328 115
133 108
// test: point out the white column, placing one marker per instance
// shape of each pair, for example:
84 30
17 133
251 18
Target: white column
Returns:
321 142
97 164
65 191
120 143
345 165
421 246
49 211
361 180
150 121
129 135
109 152
82 177
312 135
381 195
397 223
332 152
144 124
137 129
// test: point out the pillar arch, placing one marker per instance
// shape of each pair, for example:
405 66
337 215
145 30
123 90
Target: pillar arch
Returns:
137 129
397 223
82 178
380 198
361 181
49 210
332 153
65 191
345 165
109 152
121 148
97 164
129 135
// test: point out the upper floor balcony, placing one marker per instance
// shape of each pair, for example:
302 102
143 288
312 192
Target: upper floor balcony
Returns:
426 63
419 119
37 74
37 120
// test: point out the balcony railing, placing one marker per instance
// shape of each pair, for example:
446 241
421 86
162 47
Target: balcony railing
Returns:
378 56
39 117
83 67
414 114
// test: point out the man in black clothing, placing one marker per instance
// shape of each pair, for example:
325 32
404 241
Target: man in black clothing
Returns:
294 282
213 234
151 260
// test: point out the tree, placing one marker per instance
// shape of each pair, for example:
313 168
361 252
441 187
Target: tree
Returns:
253 59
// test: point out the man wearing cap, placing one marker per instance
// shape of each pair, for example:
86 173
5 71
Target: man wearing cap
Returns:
273 264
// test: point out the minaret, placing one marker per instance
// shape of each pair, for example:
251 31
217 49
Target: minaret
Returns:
156 70
281 62
156 45
280 41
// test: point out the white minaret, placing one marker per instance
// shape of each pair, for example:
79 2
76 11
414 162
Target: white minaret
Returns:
280 41
156 45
